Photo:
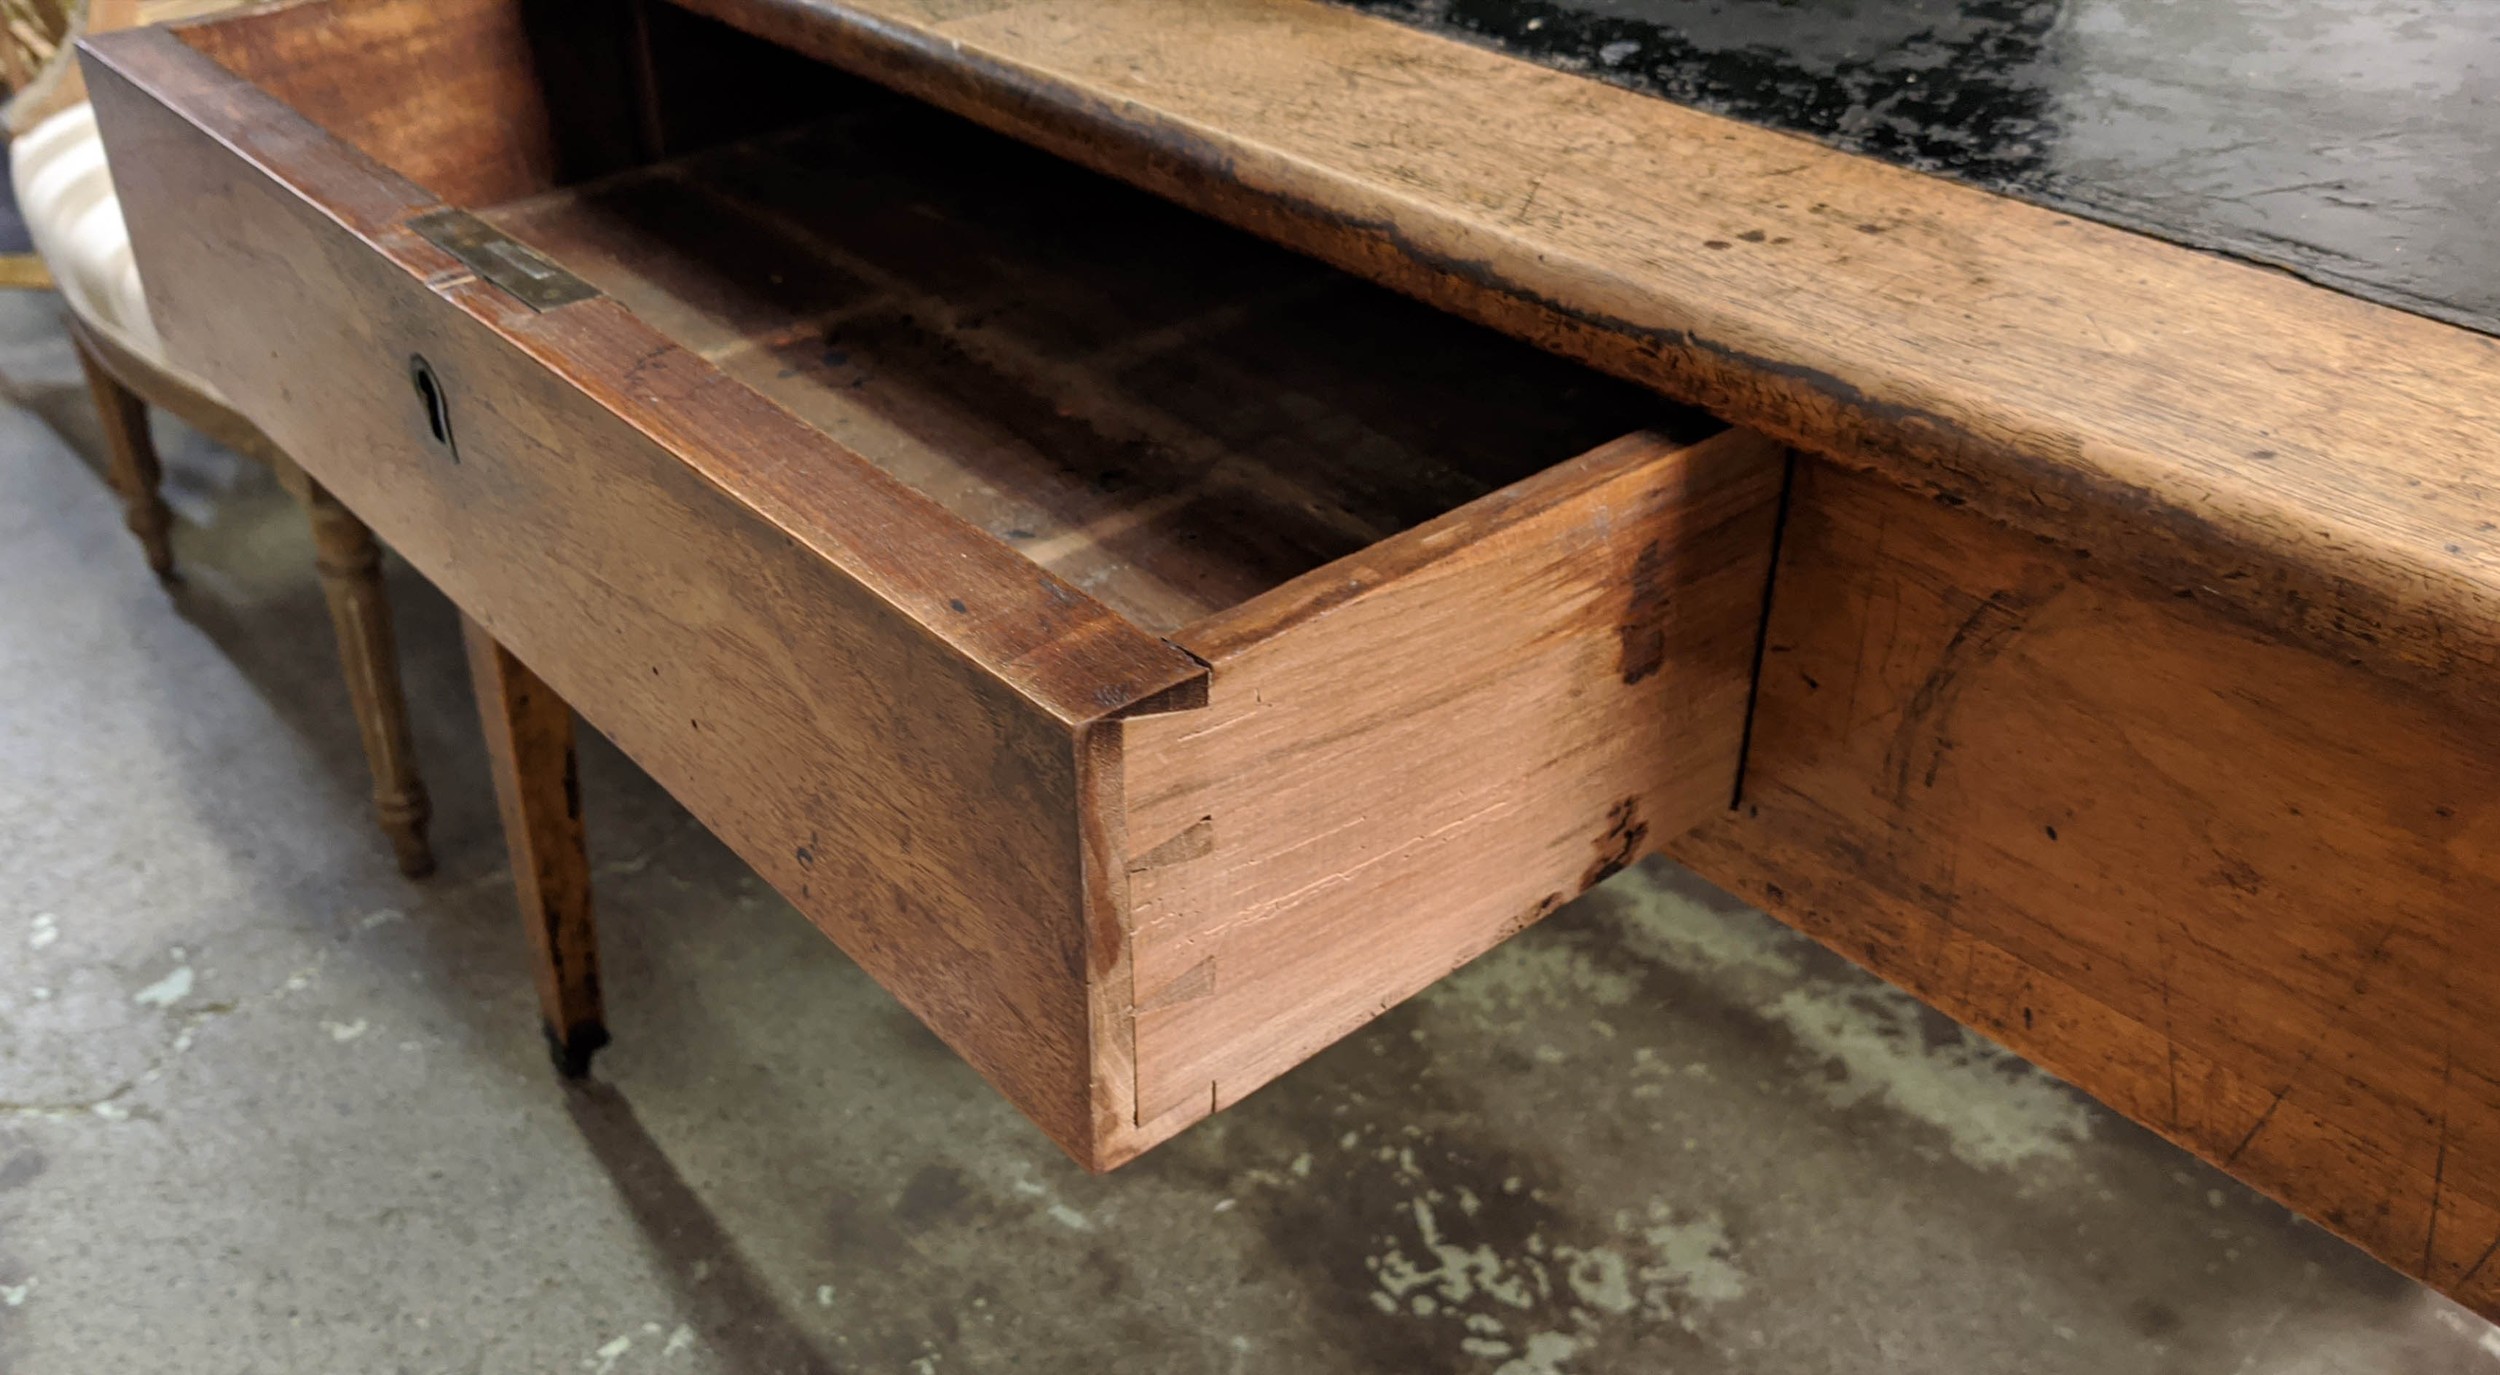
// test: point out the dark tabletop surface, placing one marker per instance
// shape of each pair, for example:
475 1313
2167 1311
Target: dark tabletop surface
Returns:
2355 142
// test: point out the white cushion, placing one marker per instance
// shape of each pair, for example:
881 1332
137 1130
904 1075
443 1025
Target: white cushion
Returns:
65 191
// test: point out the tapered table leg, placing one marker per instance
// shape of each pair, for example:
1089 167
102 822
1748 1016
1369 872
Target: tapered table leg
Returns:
350 563
529 740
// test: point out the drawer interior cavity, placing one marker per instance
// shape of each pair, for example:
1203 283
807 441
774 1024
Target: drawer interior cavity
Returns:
1166 412
1163 411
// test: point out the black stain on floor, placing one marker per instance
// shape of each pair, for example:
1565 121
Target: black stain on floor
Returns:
21 1169
934 1194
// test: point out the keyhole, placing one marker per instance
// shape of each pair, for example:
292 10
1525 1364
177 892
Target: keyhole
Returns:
430 393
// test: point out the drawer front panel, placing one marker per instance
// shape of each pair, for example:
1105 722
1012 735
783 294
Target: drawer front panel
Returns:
606 509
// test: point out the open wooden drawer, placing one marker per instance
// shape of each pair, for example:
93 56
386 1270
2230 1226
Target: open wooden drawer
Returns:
1148 653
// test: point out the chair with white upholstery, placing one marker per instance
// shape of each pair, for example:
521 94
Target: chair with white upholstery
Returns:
65 192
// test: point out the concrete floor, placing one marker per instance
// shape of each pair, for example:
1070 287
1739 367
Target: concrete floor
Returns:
264 1106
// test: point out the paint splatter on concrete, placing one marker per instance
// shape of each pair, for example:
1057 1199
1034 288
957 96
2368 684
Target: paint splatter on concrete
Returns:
1693 1254
1536 1304
1544 1354
167 991
1022 1184
1993 1109
1875 1044
42 931
1534 978
1685 927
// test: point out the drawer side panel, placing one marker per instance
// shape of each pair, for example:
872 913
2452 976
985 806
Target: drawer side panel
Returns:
1414 753
452 94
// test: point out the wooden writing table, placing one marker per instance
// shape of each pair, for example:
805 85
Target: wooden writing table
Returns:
1151 654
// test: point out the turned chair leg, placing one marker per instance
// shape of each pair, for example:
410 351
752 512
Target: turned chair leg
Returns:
529 742
130 456
360 614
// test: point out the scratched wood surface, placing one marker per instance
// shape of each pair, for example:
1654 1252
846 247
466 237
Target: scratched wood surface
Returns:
2306 462
1414 753
2350 141
2238 891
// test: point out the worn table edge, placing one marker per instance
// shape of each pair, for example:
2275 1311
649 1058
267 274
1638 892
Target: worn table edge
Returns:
2284 552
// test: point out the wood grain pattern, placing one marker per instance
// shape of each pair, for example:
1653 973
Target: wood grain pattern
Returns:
538 789
876 705
445 94
484 100
2236 890
2306 463
1411 755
